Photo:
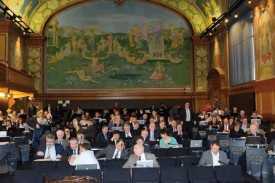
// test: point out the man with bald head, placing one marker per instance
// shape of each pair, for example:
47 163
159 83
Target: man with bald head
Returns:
139 155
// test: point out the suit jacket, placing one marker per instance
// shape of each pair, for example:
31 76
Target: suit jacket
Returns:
58 149
109 151
69 152
270 136
101 139
180 138
237 134
132 161
65 143
206 158
183 114
156 134
271 145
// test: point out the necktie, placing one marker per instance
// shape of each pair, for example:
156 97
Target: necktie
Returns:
74 152
105 136
49 153
139 158
116 155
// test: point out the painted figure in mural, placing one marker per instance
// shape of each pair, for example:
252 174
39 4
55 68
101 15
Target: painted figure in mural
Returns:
74 43
131 39
102 44
94 66
158 73
110 42
81 74
175 40
265 53
92 41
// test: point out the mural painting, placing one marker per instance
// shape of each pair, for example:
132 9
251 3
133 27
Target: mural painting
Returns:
88 48
17 53
265 23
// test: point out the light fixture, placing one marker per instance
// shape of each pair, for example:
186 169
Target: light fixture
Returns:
249 2
2 94
236 15
226 20
8 95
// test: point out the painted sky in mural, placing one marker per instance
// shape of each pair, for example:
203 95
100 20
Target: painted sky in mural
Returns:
101 45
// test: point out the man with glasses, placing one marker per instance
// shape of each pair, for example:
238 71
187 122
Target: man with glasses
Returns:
50 150
72 149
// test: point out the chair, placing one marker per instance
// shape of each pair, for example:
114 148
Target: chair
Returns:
43 165
28 176
187 161
229 174
116 175
166 162
57 174
96 173
202 174
160 152
64 165
174 175
145 175
114 163
174 152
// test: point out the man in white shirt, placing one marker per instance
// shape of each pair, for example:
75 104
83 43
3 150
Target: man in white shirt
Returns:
86 156
214 157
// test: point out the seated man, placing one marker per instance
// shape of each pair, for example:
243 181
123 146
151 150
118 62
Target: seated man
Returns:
115 137
81 138
214 156
139 140
60 139
85 157
254 133
140 155
117 151
102 137
50 150
72 149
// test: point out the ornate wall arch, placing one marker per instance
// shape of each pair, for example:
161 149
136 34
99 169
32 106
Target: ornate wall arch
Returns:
47 9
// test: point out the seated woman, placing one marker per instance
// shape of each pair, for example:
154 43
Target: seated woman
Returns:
166 141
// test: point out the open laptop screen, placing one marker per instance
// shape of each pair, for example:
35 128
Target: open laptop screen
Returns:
3 133
253 120
144 163
196 143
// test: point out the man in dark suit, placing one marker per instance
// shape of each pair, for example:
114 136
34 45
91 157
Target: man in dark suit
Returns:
72 149
214 156
180 135
89 131
102 137
50 150
140 156
128 135
187 117
117 151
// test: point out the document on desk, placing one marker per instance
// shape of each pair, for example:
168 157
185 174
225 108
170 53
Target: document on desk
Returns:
47 160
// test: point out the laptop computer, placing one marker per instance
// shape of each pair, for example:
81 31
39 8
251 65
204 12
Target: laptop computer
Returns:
253 120
141 121
117 128
195 143
3 133
144 163
86 167
253 140
203 123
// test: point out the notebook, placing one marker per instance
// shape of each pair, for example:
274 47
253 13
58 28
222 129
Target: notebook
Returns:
86 167
196 143
144 163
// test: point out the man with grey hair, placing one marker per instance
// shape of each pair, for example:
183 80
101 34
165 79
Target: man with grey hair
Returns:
60 139
254 133
139 155
72 149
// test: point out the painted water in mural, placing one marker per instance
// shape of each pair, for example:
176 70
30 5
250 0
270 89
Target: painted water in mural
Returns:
101 45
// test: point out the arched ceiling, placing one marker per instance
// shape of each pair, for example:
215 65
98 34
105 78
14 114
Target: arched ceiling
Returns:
36 12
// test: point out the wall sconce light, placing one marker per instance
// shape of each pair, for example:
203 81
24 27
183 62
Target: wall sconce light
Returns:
2 94
8 95
236 15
